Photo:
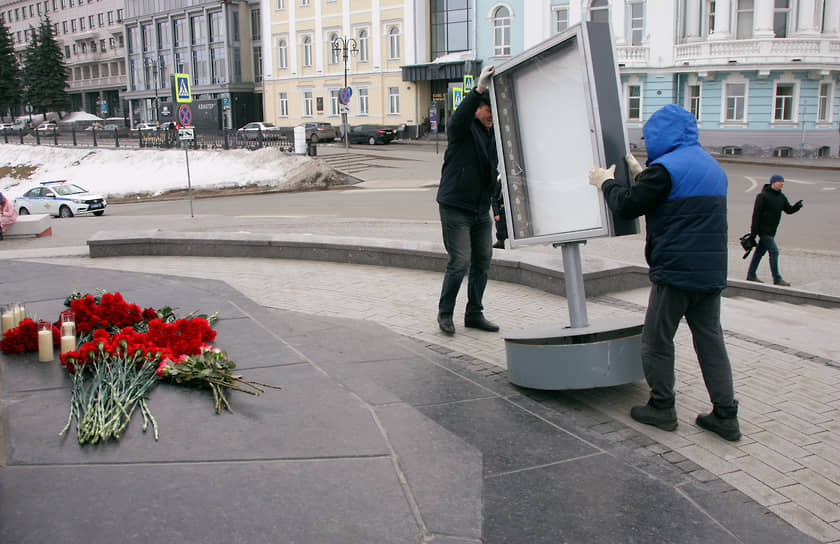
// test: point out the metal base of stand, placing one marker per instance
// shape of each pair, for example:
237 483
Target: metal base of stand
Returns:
559 358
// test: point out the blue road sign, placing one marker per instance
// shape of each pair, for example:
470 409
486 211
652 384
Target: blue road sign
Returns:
345 95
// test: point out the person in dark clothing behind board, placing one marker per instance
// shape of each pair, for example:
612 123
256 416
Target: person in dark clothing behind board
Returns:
498 204
682 195
467 183
767 212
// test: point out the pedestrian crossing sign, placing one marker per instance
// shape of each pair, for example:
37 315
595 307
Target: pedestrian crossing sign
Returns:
457 96
181 86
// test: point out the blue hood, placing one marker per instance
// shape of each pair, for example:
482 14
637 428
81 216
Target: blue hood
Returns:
669 128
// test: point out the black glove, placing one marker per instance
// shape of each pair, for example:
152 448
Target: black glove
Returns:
799 205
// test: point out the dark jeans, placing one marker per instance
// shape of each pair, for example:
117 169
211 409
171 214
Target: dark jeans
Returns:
467 238
666 307
766 244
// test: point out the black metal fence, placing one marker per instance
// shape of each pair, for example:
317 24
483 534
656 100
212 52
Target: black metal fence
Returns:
93 137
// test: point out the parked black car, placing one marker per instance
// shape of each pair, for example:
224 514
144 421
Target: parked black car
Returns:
371 134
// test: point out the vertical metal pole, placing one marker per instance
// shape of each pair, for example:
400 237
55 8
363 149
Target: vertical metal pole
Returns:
573 274
189 183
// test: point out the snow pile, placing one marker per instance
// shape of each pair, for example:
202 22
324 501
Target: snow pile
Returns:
116 172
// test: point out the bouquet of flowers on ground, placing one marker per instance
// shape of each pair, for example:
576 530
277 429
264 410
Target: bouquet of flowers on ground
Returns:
209 368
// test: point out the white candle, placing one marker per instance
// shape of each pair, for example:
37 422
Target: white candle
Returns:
45 345
8 320
68 343
17 314
68 328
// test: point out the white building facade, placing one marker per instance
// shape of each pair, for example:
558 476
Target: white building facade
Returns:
90 35
304 71
761 76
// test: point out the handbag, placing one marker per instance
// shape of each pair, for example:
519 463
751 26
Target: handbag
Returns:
748 243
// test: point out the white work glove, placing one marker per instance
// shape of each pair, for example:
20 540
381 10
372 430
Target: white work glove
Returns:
633 165
598 175
484 78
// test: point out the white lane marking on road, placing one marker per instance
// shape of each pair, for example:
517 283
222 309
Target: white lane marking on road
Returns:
829 188
800 181
753 184
283 216
387 190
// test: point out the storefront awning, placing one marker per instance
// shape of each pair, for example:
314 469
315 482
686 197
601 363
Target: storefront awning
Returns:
447 71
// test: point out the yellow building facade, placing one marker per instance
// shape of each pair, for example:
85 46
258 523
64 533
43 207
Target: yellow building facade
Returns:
314 46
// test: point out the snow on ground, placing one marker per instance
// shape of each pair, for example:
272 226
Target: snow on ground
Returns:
120 172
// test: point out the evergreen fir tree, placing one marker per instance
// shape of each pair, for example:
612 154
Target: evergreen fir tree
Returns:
53 72
30 73
10 85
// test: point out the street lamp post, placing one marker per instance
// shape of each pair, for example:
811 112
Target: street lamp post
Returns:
152 63
345 47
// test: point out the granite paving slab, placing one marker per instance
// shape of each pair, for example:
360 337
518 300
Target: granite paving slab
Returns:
309 417
329 501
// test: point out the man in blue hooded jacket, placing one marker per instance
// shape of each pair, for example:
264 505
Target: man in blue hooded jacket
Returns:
682 195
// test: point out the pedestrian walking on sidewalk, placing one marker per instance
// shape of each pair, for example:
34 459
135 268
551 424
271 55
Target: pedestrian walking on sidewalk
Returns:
682 194
468 181
767 212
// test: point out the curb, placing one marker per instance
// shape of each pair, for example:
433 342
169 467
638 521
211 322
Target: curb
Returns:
536 270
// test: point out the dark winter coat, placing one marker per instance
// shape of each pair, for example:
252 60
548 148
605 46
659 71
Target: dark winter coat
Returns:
468 176
768 208
683 197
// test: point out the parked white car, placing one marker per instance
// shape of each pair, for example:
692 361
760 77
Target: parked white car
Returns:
60 199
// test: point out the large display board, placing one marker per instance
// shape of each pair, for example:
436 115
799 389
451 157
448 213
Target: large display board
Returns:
557 112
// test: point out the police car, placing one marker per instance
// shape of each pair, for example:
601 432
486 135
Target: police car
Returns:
60 199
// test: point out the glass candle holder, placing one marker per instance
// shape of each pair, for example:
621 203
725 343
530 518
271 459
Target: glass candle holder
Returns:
45 341
7 317
67 323
17 313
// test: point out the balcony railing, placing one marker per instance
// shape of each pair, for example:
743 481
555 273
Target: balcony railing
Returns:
758 51
633 54
98 83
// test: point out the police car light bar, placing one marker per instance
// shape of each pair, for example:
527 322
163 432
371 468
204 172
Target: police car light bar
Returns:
54 181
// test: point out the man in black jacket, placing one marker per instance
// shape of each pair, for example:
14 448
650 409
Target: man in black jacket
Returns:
468 180
767 212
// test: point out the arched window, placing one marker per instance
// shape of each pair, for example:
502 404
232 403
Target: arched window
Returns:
307 51
363 45
335 54
282 55
599 11
393 42
501 32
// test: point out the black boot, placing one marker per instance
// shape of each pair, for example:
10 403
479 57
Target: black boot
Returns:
446 325
662 418
723 421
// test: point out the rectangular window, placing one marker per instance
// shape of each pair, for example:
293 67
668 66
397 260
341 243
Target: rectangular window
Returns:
64 27
180 34
363 101
216 27
82 24
637 23
101 19
634 102
102 45
710 17
90 21
217 63
735 101
200 73
282 54
120 13
393 43
256 29
783 102
559 20
110 17
163 35
281 4
282 105
693 99
258 63
822 105
148 38
363 45
304 3
72 25
234 26
197 29
393 100
334 101
307 103
744 19
781 16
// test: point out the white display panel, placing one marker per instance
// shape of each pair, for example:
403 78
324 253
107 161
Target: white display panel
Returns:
548 118
557 89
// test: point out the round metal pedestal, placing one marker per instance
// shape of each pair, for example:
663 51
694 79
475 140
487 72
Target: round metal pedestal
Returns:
554 357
